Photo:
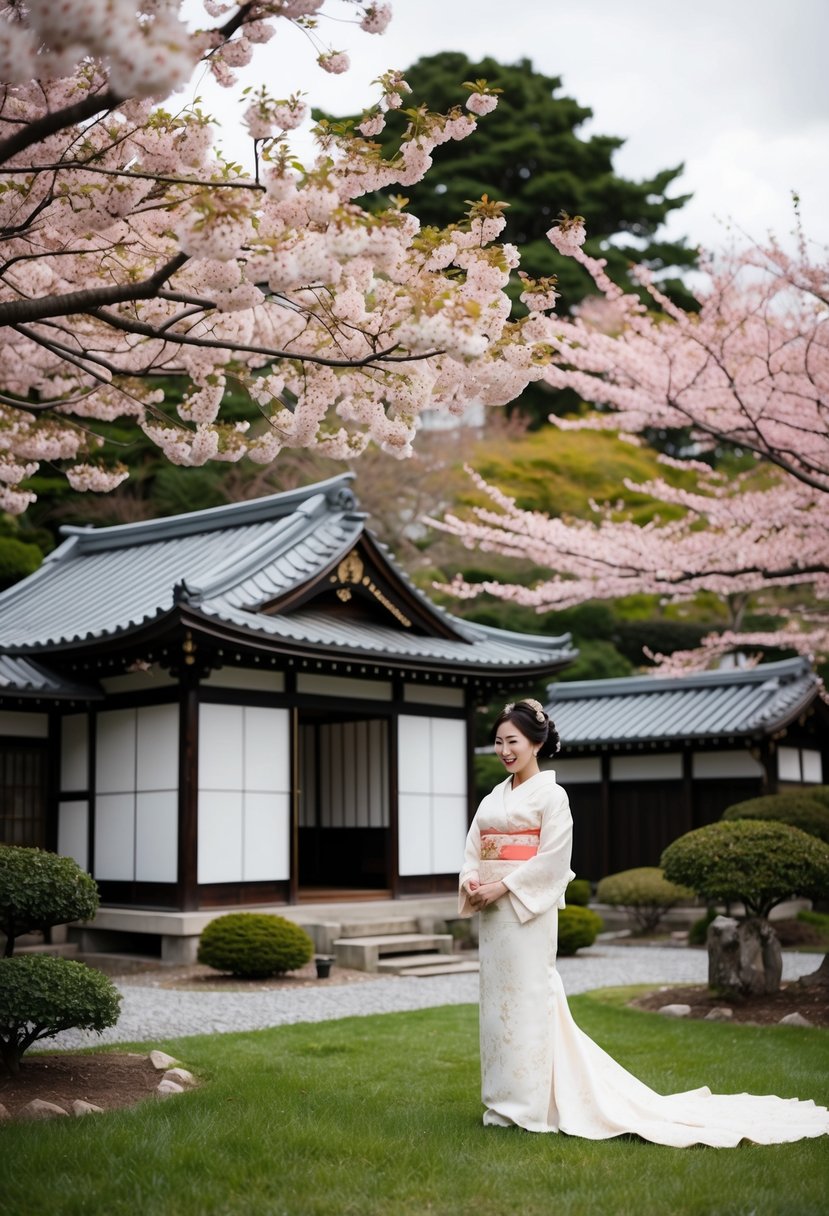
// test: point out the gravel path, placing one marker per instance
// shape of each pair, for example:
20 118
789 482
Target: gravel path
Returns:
153 1014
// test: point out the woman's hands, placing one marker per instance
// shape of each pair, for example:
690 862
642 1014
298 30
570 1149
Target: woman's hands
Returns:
481 895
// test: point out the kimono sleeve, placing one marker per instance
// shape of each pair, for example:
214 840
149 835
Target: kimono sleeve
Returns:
471 862
539 883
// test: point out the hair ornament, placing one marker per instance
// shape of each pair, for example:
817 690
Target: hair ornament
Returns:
537 706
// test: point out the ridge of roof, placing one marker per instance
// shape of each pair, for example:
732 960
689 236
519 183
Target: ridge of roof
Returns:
782 672
285 532
335 490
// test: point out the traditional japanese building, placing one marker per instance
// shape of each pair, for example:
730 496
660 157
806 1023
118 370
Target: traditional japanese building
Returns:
646 759
246 705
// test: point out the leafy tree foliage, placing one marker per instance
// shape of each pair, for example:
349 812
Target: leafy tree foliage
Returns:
534 158
41 996
757 863
40 889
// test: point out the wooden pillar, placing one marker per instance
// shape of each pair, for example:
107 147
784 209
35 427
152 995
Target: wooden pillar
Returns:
293 882
393 854
605 816
188 794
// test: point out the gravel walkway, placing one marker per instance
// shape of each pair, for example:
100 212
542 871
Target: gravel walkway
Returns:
154 1014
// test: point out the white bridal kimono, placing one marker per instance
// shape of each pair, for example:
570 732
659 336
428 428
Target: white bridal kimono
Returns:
539 1070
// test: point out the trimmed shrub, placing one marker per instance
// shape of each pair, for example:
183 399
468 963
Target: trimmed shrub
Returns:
41 995
800 809
488 772
40 889
755 861
698 933
254 945
577 927
578 893
644 893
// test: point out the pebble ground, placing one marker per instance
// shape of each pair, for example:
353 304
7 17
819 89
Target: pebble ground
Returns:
151 1013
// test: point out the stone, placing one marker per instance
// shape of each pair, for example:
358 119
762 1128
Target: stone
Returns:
180 1075
161 1061
38 1109
675 1011
166 1089
4 1113
744 958
794 1019
720 1013
79 1107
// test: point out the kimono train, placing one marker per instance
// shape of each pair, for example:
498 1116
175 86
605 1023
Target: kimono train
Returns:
539 1070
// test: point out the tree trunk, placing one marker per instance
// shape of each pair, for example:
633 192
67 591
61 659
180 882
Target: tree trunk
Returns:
744 957
819 978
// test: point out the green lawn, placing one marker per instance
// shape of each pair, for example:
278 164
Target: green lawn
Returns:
379 1116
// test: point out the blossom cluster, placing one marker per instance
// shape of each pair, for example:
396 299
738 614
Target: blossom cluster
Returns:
131 250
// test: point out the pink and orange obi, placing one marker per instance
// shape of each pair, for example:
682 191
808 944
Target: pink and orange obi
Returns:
509 846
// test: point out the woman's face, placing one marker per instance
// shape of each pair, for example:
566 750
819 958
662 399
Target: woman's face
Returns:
516 751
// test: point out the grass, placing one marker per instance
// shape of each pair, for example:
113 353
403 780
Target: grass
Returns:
379 1116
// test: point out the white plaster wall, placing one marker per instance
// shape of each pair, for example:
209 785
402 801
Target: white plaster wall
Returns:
244 794
788 764
74 752
725 764
73 826
156 836
25 726
136 787
115 751
812 766
344 687
667 767
578 771
432 759
249 679
115 837
425 694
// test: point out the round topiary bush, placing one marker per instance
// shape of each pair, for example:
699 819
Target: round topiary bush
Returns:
800 809
40 889
254 945
645 894
755 861
577 927
578 892
41 995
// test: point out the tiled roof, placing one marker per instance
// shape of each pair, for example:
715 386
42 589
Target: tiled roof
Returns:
20 678
746 702
227 564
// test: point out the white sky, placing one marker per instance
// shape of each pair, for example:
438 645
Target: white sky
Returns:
738 90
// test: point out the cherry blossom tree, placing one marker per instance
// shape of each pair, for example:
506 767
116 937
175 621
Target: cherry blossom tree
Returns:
131 251
749 371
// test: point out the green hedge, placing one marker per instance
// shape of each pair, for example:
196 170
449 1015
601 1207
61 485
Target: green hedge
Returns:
41 995
254 945
578 892
40 889
807 809
577 927
755 861
645 894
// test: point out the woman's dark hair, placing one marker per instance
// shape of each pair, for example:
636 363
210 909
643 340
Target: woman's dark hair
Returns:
532 721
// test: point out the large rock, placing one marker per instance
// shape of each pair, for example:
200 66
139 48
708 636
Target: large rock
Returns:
38 1109
161 1061
744 957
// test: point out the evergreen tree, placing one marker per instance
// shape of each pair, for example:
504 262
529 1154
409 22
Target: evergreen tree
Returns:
530 154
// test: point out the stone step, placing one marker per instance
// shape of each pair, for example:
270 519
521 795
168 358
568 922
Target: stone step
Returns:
457 967
411 964
378 928
364 953
58 950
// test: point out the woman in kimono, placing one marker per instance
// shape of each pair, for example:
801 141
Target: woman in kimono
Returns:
538 1070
